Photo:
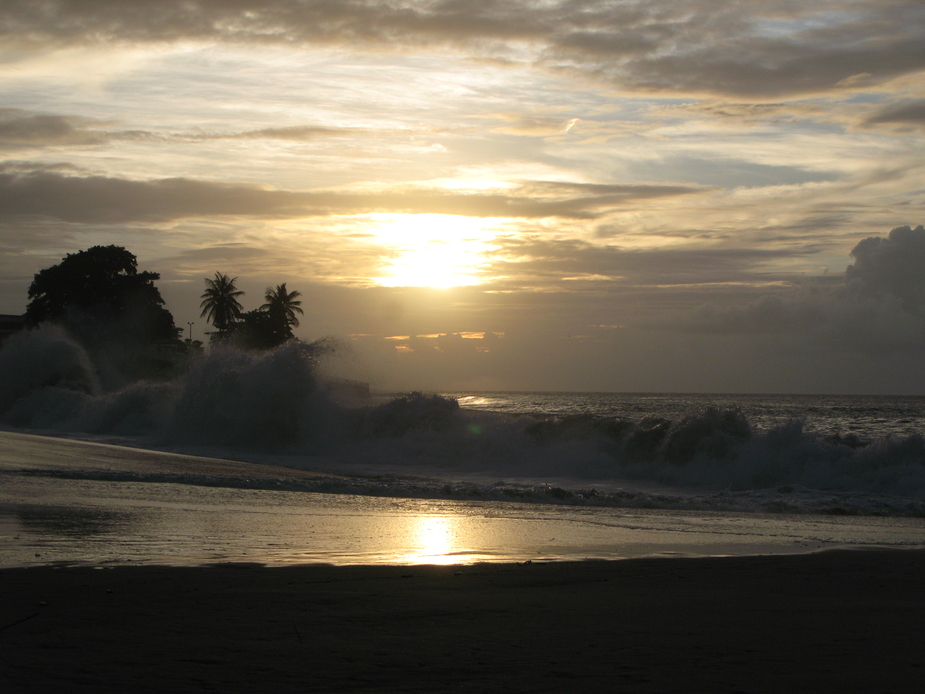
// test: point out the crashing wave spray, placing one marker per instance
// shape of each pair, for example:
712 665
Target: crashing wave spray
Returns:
248 404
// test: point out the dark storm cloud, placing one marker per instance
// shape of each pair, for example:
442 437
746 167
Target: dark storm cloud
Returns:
269 21
745 113
111 200
787 311
715 46
603 190
910 113
878 304
235 253
771 49
19 127
892 266
24 128
554 260
103 199
774 67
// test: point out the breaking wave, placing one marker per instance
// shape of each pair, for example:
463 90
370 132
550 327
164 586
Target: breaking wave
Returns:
273 407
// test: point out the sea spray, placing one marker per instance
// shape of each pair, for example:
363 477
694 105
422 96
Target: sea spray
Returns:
272 405
45 377
262 400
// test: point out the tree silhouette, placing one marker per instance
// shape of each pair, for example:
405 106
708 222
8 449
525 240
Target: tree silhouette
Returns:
114 311
258 330
220 301
268 326
282 305
100 297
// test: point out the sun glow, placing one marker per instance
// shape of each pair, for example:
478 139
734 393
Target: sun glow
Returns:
435 540
434 250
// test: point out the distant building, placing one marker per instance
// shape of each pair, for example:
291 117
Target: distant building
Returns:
10 325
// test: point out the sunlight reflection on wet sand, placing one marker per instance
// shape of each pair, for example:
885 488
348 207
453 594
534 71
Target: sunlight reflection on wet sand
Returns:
48 520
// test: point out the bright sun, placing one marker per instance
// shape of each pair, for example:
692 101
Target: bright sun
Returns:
434 250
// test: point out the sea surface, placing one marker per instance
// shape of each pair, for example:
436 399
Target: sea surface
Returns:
867 416
650 463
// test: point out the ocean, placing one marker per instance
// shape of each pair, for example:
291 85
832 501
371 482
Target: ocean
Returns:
604 475
866 416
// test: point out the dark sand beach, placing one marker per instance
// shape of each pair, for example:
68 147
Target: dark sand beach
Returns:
838 621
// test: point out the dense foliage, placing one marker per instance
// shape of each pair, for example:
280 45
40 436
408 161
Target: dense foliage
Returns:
114 311
264 328
99 296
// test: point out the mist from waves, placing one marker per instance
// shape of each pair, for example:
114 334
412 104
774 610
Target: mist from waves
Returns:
273 404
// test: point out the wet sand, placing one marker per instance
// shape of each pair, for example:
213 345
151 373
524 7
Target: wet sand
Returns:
838 621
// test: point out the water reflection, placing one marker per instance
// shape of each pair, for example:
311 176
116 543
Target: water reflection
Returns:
128 522
439 540
71 522
433 536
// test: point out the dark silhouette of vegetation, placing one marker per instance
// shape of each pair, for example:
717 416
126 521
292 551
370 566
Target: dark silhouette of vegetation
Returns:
99 295
264 328
118 315
101 299
259 330
283 305
193 347
220 305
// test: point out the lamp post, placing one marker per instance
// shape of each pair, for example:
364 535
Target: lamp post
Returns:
190 334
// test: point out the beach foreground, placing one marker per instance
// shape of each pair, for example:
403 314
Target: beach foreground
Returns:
833 621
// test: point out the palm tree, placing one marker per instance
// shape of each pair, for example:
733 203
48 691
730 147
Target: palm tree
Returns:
220 301
283 305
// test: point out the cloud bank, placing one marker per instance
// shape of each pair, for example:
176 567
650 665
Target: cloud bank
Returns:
775 48
646 194
878 304
104 199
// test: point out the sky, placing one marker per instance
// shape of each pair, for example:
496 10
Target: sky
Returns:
684 196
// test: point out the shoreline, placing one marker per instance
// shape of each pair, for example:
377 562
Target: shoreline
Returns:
121 460
839 620
66 501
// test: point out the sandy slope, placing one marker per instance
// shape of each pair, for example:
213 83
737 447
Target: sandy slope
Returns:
19 450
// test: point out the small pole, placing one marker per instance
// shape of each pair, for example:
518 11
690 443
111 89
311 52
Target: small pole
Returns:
190 335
